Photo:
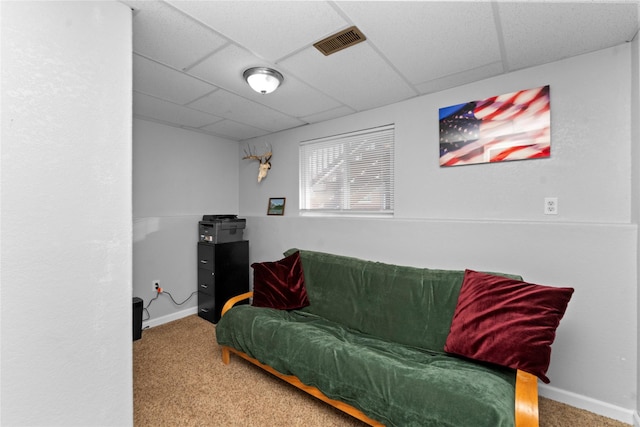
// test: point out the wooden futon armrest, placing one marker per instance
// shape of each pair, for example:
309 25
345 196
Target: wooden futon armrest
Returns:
233 301
526 399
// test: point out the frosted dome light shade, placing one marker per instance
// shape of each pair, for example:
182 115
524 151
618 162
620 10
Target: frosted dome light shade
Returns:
263 83
263 80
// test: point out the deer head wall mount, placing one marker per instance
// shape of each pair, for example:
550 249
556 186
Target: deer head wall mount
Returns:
264 159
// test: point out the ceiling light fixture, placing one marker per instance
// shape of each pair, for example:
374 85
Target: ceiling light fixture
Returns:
262 79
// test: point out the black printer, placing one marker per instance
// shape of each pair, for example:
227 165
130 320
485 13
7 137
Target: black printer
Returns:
221 228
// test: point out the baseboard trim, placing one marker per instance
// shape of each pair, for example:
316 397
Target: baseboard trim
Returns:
599 407
151 323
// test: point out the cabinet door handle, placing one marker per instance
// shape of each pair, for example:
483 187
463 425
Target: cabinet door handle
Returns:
202 261
204 286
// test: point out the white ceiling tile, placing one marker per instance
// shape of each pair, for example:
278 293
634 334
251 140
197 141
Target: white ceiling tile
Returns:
163 82
234 130
269 29
230 106
429 40
461 78
225 68
158 109
537 33
328 115
166 35
296 99
357 76
293 98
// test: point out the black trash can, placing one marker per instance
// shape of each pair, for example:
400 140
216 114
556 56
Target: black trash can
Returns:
137 318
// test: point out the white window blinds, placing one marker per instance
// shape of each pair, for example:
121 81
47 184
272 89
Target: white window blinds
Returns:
348 173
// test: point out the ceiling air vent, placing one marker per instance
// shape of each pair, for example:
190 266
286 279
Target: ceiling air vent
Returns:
339 41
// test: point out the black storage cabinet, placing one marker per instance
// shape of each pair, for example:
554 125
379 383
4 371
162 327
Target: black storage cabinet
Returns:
223 272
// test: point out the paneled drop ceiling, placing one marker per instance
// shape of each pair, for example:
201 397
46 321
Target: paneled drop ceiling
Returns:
189 56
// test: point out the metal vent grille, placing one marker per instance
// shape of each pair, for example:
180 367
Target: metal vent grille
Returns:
339 41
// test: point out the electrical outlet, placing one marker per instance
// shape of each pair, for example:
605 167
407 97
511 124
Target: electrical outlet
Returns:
156 285
551 206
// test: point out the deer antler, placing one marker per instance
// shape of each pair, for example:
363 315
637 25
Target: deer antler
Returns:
263 158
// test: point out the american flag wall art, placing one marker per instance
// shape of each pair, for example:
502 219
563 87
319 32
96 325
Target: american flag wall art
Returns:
514 126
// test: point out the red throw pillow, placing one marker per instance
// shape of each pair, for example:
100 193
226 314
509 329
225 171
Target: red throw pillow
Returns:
507 322
280 284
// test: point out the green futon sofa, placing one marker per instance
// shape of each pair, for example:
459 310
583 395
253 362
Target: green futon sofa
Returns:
371 342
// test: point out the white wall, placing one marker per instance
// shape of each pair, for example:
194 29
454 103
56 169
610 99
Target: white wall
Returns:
66 214
491 216
178 175
635 151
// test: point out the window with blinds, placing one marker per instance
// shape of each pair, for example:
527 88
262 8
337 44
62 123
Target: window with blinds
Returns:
348 174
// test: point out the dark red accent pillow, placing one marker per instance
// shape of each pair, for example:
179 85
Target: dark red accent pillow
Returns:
507 322
280 284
